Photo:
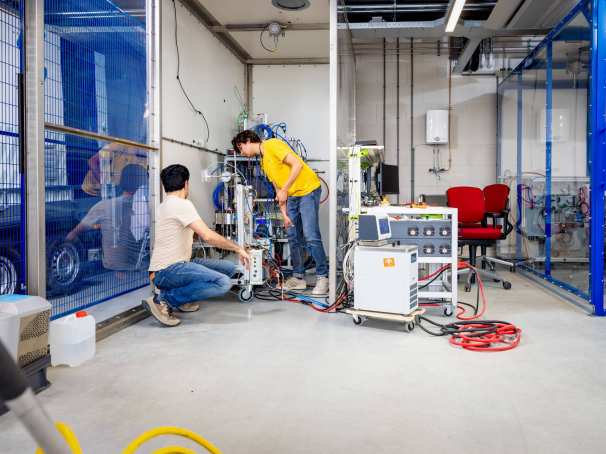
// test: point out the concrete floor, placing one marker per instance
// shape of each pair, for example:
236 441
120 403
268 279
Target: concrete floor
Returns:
281 378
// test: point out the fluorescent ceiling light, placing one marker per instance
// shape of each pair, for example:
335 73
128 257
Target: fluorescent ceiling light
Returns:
455 13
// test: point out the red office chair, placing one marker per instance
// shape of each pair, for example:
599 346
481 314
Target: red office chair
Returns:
473 229
496 197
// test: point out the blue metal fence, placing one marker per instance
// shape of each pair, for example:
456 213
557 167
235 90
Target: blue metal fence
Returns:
97 231
549 152
12 237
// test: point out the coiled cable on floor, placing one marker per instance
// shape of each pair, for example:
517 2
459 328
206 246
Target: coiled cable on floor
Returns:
177 431
479 336
133 447
470 333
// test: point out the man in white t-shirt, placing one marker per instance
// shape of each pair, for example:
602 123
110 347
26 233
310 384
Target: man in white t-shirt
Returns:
183 282
123 220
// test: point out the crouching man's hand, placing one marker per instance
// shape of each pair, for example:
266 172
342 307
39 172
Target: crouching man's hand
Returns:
244 257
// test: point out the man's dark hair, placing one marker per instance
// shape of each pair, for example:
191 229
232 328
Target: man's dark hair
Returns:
133 176
174 177
244 137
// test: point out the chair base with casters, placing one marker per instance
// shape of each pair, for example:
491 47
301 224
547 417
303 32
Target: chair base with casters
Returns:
473 259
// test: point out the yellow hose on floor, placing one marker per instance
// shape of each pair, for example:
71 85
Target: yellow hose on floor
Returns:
74 445
136 443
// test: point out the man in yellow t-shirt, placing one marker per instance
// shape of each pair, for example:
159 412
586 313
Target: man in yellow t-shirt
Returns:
298 191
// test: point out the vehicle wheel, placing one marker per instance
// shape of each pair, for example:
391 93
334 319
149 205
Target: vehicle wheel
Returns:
448 311
356 319
409 326
64 266
506 285
9 274
245 295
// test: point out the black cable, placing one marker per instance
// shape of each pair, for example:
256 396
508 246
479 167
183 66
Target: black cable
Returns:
449 329
195 109
261 40
433 279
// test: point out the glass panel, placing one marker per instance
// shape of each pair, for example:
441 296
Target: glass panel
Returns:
570 180
96 68
532 187
12 215
509 109
97 230
562 200
97 220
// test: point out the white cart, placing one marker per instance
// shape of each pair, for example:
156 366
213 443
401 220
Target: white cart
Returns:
442 290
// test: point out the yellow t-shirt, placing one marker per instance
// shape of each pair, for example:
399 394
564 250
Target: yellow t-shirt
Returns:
272 162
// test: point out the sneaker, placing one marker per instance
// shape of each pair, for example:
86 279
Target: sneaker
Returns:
160 311
294 283
189 307
321 287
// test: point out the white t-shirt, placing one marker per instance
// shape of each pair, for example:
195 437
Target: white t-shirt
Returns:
123 221
173 239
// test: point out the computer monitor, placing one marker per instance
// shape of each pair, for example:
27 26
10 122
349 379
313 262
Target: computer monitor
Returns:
389 179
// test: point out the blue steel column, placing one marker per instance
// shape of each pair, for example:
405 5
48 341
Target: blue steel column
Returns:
598 148
548 138
519 144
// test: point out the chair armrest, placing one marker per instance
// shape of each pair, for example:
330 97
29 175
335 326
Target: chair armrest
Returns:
507 225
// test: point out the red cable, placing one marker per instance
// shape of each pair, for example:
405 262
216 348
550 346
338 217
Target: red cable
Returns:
506 337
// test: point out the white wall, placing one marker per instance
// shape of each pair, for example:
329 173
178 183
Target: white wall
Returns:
209 73
299 96
473 127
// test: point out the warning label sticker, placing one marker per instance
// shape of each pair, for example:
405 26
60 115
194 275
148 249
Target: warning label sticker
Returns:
389 262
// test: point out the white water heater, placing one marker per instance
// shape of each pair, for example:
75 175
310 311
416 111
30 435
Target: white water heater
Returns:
436 127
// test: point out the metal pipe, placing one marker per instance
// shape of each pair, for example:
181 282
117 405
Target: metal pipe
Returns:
20 399
35 188
412 133
416 7
191 145
384 88
408 11
398 113
93 135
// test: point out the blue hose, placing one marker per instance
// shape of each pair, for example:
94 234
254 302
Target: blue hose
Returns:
217 194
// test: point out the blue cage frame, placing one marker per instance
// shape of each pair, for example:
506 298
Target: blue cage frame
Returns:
595 13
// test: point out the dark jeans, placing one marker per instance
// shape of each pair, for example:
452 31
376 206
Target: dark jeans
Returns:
200 279
303 212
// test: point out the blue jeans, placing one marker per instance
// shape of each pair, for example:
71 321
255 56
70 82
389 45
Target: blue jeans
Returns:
200 279
303 212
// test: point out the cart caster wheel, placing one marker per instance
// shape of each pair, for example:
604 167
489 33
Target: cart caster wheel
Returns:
245 295
448 311
506 285
467 287
409 326
356 319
